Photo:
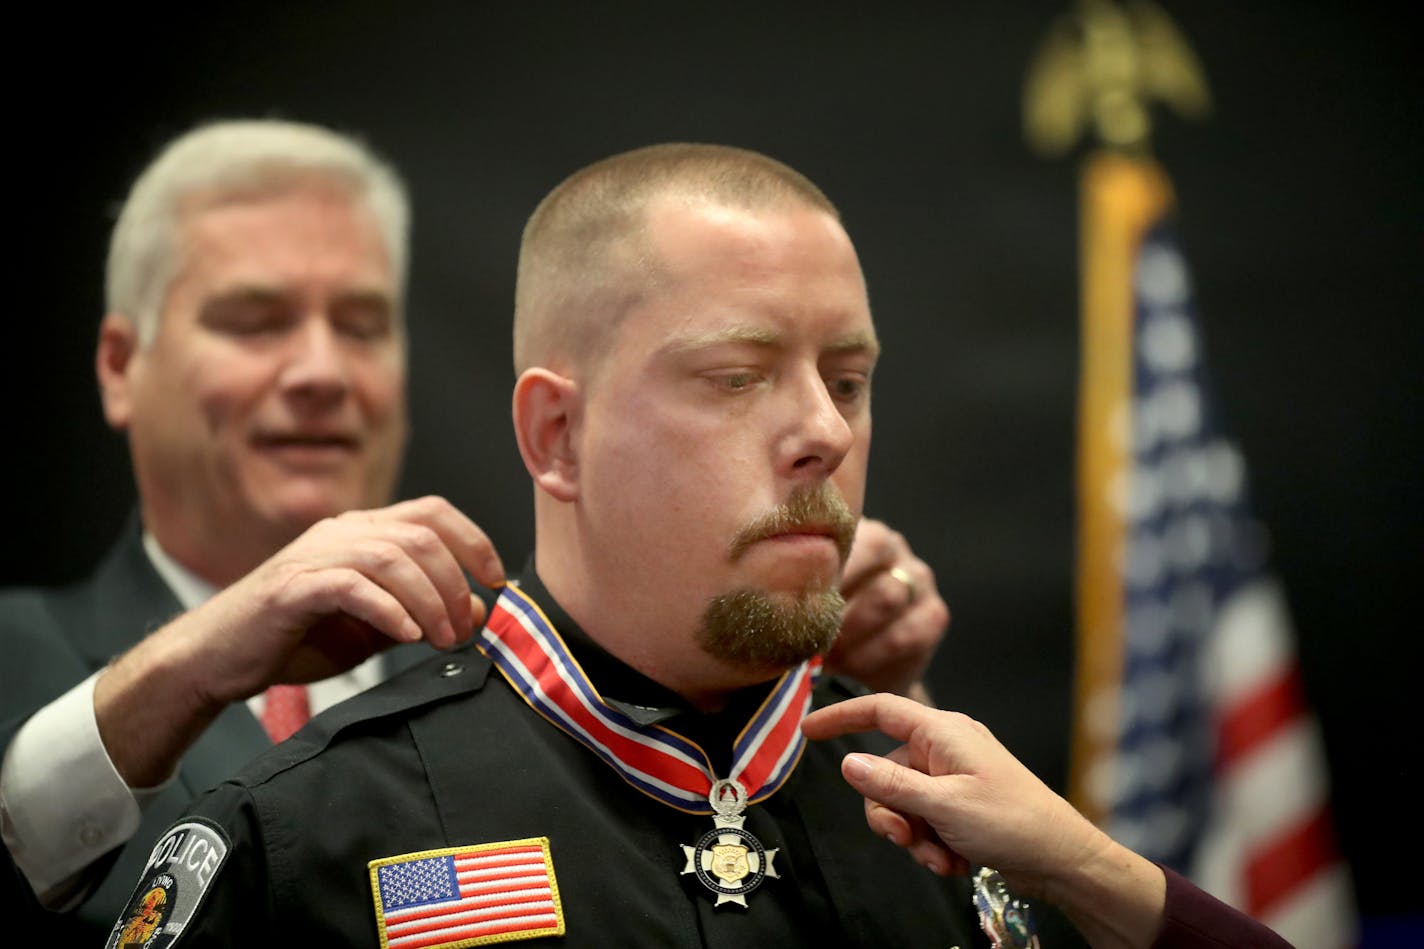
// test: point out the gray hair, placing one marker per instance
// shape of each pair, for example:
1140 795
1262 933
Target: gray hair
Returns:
233 160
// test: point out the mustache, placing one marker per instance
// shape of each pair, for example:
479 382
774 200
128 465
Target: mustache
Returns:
809 510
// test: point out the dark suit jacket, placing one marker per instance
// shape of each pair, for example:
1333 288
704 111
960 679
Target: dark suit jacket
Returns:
50 641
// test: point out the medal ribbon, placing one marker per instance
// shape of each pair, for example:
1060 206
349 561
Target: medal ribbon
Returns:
533 658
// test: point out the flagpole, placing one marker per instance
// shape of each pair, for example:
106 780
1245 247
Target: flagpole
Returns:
1120 196
1094 74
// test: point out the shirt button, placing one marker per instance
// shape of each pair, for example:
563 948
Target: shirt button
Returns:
90 835
451 669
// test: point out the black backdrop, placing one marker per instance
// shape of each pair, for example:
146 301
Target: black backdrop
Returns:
1301 218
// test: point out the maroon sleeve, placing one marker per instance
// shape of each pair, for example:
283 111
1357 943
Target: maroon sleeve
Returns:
1194 919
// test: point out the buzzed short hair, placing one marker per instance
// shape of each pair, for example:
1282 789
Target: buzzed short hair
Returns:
585 261
238 160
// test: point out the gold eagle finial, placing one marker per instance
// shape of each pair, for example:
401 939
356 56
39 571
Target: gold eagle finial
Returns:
1100 67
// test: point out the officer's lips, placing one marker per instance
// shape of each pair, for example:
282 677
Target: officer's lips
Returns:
807 537
809 519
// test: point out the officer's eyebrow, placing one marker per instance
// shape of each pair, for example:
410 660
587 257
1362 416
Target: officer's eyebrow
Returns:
753 335
855 343
859 341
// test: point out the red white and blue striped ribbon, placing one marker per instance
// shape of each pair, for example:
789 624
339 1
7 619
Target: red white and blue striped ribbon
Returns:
531 655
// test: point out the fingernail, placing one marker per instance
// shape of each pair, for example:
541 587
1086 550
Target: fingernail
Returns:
858 766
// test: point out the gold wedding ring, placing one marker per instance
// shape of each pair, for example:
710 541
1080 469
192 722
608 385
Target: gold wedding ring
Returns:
912 589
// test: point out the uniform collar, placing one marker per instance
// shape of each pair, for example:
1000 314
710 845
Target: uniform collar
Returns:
641 698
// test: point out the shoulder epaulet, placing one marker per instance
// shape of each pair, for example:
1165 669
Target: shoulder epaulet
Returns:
439 678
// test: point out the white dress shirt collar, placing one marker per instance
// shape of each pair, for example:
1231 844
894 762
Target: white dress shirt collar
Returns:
190 589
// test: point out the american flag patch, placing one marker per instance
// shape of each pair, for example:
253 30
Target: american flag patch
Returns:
467 896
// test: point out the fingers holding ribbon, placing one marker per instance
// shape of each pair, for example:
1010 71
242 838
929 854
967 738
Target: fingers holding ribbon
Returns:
894 618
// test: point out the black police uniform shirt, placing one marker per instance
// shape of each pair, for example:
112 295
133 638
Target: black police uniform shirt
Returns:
448 755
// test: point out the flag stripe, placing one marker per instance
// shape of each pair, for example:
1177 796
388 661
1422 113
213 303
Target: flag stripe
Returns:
501 871
498 913
1280 866
1251 641
1256 718
1319 913
1268 791
453 934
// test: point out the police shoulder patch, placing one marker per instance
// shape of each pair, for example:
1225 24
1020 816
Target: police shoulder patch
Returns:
177 875
467 896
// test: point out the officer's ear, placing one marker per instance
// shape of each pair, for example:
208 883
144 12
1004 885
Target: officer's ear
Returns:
113 360
547 409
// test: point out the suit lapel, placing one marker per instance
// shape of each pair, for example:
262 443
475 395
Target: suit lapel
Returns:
121 603
124 601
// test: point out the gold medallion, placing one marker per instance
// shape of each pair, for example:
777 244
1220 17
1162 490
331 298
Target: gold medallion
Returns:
729 860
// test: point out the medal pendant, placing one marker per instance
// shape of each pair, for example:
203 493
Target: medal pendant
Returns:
729 860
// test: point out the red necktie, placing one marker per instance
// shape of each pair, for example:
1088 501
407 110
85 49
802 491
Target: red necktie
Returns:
285 711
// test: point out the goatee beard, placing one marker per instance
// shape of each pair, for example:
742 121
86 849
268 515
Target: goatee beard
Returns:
754 629
758 630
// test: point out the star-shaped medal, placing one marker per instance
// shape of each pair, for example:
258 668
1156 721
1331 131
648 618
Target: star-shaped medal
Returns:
729 860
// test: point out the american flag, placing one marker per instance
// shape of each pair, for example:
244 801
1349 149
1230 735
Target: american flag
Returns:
1194 744
467 896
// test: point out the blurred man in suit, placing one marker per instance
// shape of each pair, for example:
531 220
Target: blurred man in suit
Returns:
254 354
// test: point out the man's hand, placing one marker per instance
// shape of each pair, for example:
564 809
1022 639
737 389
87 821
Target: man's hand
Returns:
955 798
350 586
894 617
